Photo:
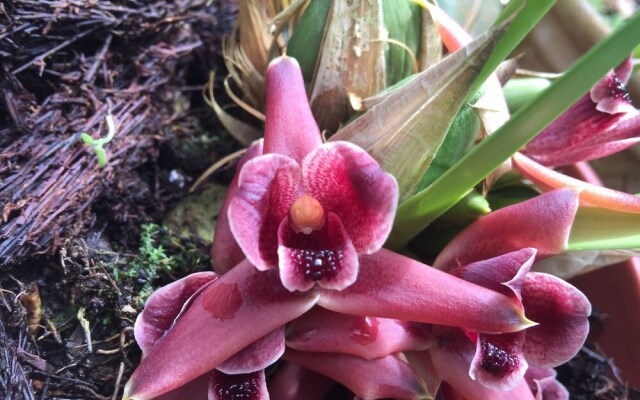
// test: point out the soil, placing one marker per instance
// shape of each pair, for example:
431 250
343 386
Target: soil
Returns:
81 246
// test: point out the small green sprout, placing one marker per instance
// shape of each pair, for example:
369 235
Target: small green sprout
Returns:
96 144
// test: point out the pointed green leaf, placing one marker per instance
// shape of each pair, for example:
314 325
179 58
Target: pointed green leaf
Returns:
306 40
402 21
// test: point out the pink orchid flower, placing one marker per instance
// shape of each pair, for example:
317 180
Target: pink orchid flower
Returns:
208 332
602 122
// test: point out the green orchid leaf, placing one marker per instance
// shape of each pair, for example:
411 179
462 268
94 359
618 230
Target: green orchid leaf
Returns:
596 228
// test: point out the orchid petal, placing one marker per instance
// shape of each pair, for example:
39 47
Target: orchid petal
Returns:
251 386
390 285
610 94
349 182
561 311
292 382
380 378
267 187
450 361
163 307
236 310
544 385
258 355
590 194
225 252
504 274
499 363
325 256
543 222
289 127
321 330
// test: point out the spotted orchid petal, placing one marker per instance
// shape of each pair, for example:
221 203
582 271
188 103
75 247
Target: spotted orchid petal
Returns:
602 122
251 386
293 382
225 252
387 377
393 286
544 385
326 256
289 127
543 222
322 330
449 362
243 300
590 194
561 311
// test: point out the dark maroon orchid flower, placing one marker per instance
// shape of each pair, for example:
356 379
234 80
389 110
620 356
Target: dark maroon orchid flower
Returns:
602 122
318 213
307 208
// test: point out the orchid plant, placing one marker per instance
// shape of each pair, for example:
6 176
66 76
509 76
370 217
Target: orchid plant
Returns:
304 288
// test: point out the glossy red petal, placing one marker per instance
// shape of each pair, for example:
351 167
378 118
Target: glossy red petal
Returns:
267 187
561 311
590 194
236 310
349 182
390 285
322 330
225 252
499 363
289 127
505 274
325 256
163 307
257 356
544 385
250 386
292 382
543 222
375 379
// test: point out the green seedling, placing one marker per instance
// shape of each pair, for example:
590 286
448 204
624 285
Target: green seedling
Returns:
96 144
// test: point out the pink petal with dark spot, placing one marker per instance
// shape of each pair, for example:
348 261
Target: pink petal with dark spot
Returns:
225 252
292 382
498 362
289 127
322 330
505 274
325 256
393 286
380 378
258 355
251 386
590 194
163 307
544 385
450 362
561 311
236 310
543 222
267 187
349 182
610 94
